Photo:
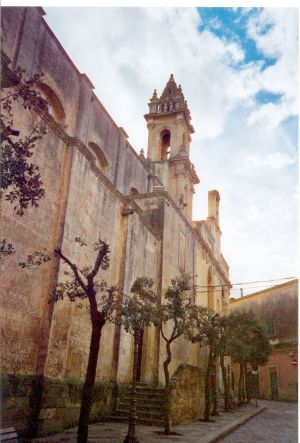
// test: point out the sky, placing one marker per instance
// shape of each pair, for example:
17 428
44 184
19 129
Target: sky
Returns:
238 69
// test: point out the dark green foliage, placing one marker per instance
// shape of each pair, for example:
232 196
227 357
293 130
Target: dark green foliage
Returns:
6 248
140 309
247 342
20 178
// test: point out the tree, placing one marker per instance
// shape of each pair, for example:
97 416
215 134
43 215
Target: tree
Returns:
83 284
20 179
20 182
248 343
222 350
203 329
176 314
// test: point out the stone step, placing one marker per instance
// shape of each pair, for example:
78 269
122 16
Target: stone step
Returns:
142 406
140 414
143 394
141 421
145 399
149 405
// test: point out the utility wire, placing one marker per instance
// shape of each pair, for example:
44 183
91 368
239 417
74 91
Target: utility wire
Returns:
246 283
233 289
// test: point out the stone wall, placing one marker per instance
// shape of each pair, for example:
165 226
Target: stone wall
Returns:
60 403
187 394
147 233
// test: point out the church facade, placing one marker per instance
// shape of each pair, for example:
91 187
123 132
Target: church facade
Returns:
97 186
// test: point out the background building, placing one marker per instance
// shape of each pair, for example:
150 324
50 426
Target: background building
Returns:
277 309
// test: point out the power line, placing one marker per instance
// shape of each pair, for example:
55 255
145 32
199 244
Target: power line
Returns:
233 289
246 283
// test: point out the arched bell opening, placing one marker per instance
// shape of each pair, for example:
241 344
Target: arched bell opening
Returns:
165 144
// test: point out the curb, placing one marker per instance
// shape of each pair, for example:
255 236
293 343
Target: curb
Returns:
216 435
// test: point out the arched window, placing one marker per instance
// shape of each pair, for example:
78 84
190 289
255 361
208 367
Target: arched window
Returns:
134 191
165 141
101 161
55 107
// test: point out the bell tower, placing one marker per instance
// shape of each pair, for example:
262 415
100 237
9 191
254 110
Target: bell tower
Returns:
169 137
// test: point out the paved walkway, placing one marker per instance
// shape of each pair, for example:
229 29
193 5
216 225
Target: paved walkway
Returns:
276 424
195 432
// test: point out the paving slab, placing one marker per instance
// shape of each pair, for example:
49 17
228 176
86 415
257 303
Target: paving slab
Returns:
278 423
193 432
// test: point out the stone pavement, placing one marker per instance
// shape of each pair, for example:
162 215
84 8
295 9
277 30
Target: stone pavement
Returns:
195 432
278 423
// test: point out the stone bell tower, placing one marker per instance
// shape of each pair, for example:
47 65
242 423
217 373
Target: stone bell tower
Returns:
169 137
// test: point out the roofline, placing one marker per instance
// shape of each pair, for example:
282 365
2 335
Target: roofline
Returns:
264 291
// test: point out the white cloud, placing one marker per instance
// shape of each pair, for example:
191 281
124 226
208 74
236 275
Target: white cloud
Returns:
240 147
275 32
273 160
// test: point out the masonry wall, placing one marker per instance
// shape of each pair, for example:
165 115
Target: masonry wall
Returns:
187 387
280 361
147 235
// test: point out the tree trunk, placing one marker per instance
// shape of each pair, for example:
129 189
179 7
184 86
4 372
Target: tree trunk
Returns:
240 385
87 391
214 385
225 382
244 383
214 411
207 385
167 388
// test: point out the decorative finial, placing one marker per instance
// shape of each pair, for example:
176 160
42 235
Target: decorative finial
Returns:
154 94
171 77
142 151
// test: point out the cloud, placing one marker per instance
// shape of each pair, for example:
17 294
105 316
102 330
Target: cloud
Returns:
273 160
241 147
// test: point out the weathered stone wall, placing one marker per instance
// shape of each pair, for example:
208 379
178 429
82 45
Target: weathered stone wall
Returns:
280 303
187 394
60 404
25 293
147 233
141 259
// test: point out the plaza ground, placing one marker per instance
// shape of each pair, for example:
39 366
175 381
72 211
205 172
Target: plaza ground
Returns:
278 423
268 422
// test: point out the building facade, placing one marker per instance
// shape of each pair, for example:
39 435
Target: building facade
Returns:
96 186
277 310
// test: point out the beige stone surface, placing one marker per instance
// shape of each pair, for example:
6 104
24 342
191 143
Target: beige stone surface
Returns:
90 172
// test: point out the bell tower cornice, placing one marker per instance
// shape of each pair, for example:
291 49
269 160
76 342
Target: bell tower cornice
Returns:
172 101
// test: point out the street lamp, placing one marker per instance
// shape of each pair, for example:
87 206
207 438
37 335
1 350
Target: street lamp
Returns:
131 437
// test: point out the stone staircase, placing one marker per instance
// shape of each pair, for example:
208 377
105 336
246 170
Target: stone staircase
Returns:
149 406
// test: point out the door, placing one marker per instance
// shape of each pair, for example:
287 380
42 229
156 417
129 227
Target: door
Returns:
274 383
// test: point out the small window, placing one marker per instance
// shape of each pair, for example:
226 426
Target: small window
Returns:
271 326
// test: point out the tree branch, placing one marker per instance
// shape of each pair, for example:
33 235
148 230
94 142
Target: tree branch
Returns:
162 333
73 267
101 254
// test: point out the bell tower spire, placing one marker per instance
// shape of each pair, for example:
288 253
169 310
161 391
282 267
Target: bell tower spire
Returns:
169 136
